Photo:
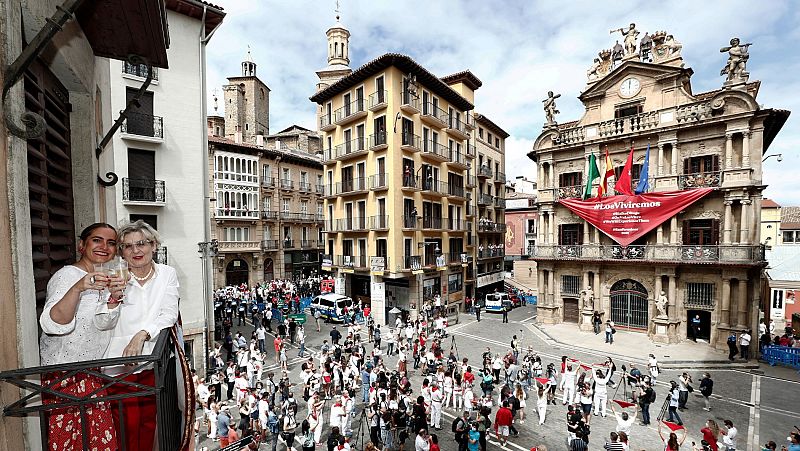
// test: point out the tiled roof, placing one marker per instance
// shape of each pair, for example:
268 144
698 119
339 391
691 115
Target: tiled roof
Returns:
751 88
516 195
289 154
790 214
465 76
406 64
491 125
769 203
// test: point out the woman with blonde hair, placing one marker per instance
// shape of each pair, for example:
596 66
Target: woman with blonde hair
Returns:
711 434
520 394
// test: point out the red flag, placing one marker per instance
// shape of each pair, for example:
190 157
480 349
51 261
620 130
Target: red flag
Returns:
586 367
673 426
624 404
542 380
623 184
602 190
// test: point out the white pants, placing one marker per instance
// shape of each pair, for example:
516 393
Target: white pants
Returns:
318 431
436 414
448 395
569 393
600 401
346 424
542 411
457 398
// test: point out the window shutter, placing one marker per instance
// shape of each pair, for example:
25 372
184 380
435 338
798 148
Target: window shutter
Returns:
685 228
686 166
715 163
580 234
580 179
560 234
715 232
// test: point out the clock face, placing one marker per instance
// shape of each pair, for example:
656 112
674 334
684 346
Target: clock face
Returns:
629 87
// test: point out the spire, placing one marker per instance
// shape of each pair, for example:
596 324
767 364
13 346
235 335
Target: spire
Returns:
338 42
248 66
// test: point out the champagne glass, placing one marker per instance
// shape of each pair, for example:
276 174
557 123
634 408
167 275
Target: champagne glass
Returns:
118 268
101 268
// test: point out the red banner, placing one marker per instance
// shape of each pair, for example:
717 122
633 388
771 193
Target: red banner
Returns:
626 218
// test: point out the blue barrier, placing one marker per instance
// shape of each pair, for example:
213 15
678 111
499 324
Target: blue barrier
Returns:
781 355
305 302
531 300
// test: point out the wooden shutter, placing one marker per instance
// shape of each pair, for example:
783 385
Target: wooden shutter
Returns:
715 163
141 164
560 234
714 231
685 228
580 234
686 166
53 236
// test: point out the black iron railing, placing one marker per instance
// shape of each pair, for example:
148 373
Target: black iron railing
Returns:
143 190
142 124
172 419
138 70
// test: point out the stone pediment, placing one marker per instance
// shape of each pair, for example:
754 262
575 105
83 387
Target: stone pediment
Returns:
628 68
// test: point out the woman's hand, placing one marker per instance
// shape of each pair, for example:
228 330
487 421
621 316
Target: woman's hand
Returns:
116 285
93 281
136 344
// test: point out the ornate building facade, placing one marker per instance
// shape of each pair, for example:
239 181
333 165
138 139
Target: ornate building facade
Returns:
706 259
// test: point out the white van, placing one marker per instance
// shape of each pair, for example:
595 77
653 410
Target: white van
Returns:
495 302
331 305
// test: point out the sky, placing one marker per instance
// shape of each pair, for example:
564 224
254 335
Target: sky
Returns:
518 49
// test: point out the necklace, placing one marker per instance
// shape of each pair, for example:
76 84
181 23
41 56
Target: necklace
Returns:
142 279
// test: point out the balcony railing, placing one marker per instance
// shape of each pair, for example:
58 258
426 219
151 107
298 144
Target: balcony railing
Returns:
379 222
138 70
269 215
326 122
469 121
457 225
734 254
411 141
350 147
471 181
470 209
623 125
484 199
171 422
354 224
350 110
454 258
484 171
435 186
471 150
269 245
412 262
351 261
142 124
410 222
429 110
319 189
378 100
566 192
304 186
436 150
700 180
457 157
455 190
287 184
493 227
289 243
410 181
455 124
239 245
377 140
500 177
379 181
410 102
161 255
308 244
268 182
226 212
491 253
499 202
143 190
355 185
433 223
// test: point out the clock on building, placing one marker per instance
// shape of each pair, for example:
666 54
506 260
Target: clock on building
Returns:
629 87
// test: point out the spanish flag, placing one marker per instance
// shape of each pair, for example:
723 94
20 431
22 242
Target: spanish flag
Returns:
609 172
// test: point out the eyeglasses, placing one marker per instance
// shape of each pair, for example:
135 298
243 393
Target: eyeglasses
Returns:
136 245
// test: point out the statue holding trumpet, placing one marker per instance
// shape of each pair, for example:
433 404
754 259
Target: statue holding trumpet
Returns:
736 67
630 39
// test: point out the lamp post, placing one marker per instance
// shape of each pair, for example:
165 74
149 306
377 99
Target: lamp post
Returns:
207 249
779 157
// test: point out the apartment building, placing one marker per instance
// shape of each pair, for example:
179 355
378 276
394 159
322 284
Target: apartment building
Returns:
490 204
707 258
267 189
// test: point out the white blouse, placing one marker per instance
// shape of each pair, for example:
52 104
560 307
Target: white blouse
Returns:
80 339
150 307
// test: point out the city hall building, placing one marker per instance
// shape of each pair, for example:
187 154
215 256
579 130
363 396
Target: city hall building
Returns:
707 258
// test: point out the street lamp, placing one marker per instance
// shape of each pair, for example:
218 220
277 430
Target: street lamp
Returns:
778 155
207 249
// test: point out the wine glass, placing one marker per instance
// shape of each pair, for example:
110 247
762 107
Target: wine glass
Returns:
103 269
118 268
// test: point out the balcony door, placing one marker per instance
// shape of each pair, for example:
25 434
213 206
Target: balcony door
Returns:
701 165
140 119
570 234
701 232
408 132
348 214
347 179
409 215
362 215
360 98
141 175
379 127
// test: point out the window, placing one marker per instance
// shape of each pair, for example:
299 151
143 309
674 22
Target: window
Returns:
777 299
636 169
455 282
480 132
570 234
287 175
319 209
497 142
699 295
698 165
151 220
267 204
791 236
570 284
531 226
237 234
628 110
266 172
286 202
570 179
701 232
304 178
304 207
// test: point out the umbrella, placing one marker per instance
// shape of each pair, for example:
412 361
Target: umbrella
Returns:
395 310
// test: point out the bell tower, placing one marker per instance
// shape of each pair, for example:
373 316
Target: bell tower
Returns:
246 104
338 54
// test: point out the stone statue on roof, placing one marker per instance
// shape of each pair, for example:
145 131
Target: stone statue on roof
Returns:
665 47
736 67
550 110
592 74
630 36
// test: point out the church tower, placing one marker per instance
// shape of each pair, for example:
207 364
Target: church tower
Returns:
246 104
338 55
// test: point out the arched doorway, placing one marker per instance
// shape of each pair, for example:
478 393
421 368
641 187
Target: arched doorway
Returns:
629 304
237 272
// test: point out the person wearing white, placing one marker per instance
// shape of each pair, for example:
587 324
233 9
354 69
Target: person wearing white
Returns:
436 406
541 402
624 421
729 437
652 366
202 392
601 392
422 442
568 379
337 415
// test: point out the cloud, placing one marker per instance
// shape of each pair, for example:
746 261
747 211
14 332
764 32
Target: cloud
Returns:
519 49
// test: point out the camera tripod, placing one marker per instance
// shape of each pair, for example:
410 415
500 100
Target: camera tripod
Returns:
357 438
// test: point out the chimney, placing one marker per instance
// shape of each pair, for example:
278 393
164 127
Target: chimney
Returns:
260 140
278 144
238 137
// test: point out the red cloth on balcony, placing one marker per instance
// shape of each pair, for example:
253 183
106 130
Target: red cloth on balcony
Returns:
139 412
64 425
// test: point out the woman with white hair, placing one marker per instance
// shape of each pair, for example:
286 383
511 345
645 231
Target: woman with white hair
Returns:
150 305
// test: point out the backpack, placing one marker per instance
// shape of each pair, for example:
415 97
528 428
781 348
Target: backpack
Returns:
732 339
454 426
652 398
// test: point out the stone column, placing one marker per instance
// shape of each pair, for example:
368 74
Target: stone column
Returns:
551 172
540 229
551 227
540 286
725 309
596 236
672 297
741 318
674 158
585 232
744 232
550 288
660 159
726 231
728 150
673 230
598 292
660 234
746 149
